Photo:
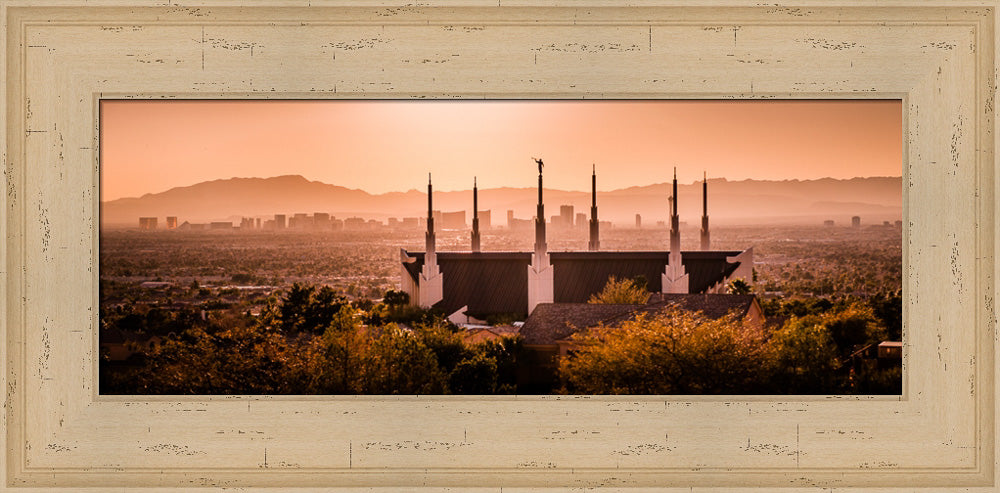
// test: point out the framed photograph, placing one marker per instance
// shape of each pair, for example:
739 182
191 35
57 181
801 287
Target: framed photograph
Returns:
98 396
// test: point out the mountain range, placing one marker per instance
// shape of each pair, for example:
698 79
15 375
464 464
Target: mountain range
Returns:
876 199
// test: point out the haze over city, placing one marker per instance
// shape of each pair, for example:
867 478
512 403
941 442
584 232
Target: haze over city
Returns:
387 146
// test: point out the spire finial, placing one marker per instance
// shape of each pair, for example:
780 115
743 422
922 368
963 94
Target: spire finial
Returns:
675 172
705 176
428 178
474 181
594 171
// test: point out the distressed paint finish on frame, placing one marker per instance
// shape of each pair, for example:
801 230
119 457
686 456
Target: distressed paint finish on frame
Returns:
60 60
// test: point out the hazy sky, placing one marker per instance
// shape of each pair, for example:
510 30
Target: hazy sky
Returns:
381 146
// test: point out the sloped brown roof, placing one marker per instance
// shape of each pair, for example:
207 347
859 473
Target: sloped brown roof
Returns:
551 322
488 283
713 306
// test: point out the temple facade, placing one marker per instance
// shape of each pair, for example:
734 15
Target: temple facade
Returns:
472 286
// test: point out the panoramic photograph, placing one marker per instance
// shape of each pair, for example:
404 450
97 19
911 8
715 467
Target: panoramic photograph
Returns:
534 247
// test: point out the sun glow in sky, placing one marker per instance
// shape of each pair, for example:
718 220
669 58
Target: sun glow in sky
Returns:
383 146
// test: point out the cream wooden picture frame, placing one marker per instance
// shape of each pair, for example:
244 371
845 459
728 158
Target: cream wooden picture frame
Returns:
61 57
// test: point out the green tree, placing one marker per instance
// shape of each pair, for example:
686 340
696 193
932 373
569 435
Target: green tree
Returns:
508 353
738 286
474 375
804 358
444 340
852 327
396 298
672 352
228 359
624 291
306 309
399 363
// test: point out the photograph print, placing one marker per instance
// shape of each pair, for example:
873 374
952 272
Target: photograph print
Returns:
512 247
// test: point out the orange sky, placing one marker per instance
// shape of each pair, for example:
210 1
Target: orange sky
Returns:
381 146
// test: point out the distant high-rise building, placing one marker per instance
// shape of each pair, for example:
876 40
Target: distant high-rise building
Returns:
856 222
336 224
221 225
566 214
147 223
453 220
171 222
354 223
321 220
302 221
411 222
484 220
898 224
828 222
638 221
258 223
279 221
510 219
393 222
581 220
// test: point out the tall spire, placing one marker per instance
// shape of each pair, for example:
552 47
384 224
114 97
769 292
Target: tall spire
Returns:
429 236
595 242
675 277
675 233
475 215
541 283
705 243
540 246
431 284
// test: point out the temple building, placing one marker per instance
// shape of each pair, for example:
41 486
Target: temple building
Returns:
473 286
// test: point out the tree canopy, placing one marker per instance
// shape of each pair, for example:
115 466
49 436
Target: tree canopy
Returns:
622 291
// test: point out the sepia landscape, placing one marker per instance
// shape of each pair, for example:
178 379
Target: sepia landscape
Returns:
762 279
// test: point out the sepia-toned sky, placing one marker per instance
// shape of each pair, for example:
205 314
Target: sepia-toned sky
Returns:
382 146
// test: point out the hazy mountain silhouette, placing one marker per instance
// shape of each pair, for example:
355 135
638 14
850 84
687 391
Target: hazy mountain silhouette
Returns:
748 201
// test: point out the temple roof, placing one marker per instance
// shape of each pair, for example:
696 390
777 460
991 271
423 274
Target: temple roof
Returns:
496 282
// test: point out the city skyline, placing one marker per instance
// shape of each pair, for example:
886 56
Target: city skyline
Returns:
179 143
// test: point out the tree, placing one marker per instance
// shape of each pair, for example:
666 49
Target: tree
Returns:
804 357
474 375
396 298
853 326
625 291
738 286
507 352
672 352
226 359
443 339
399 363
306 309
